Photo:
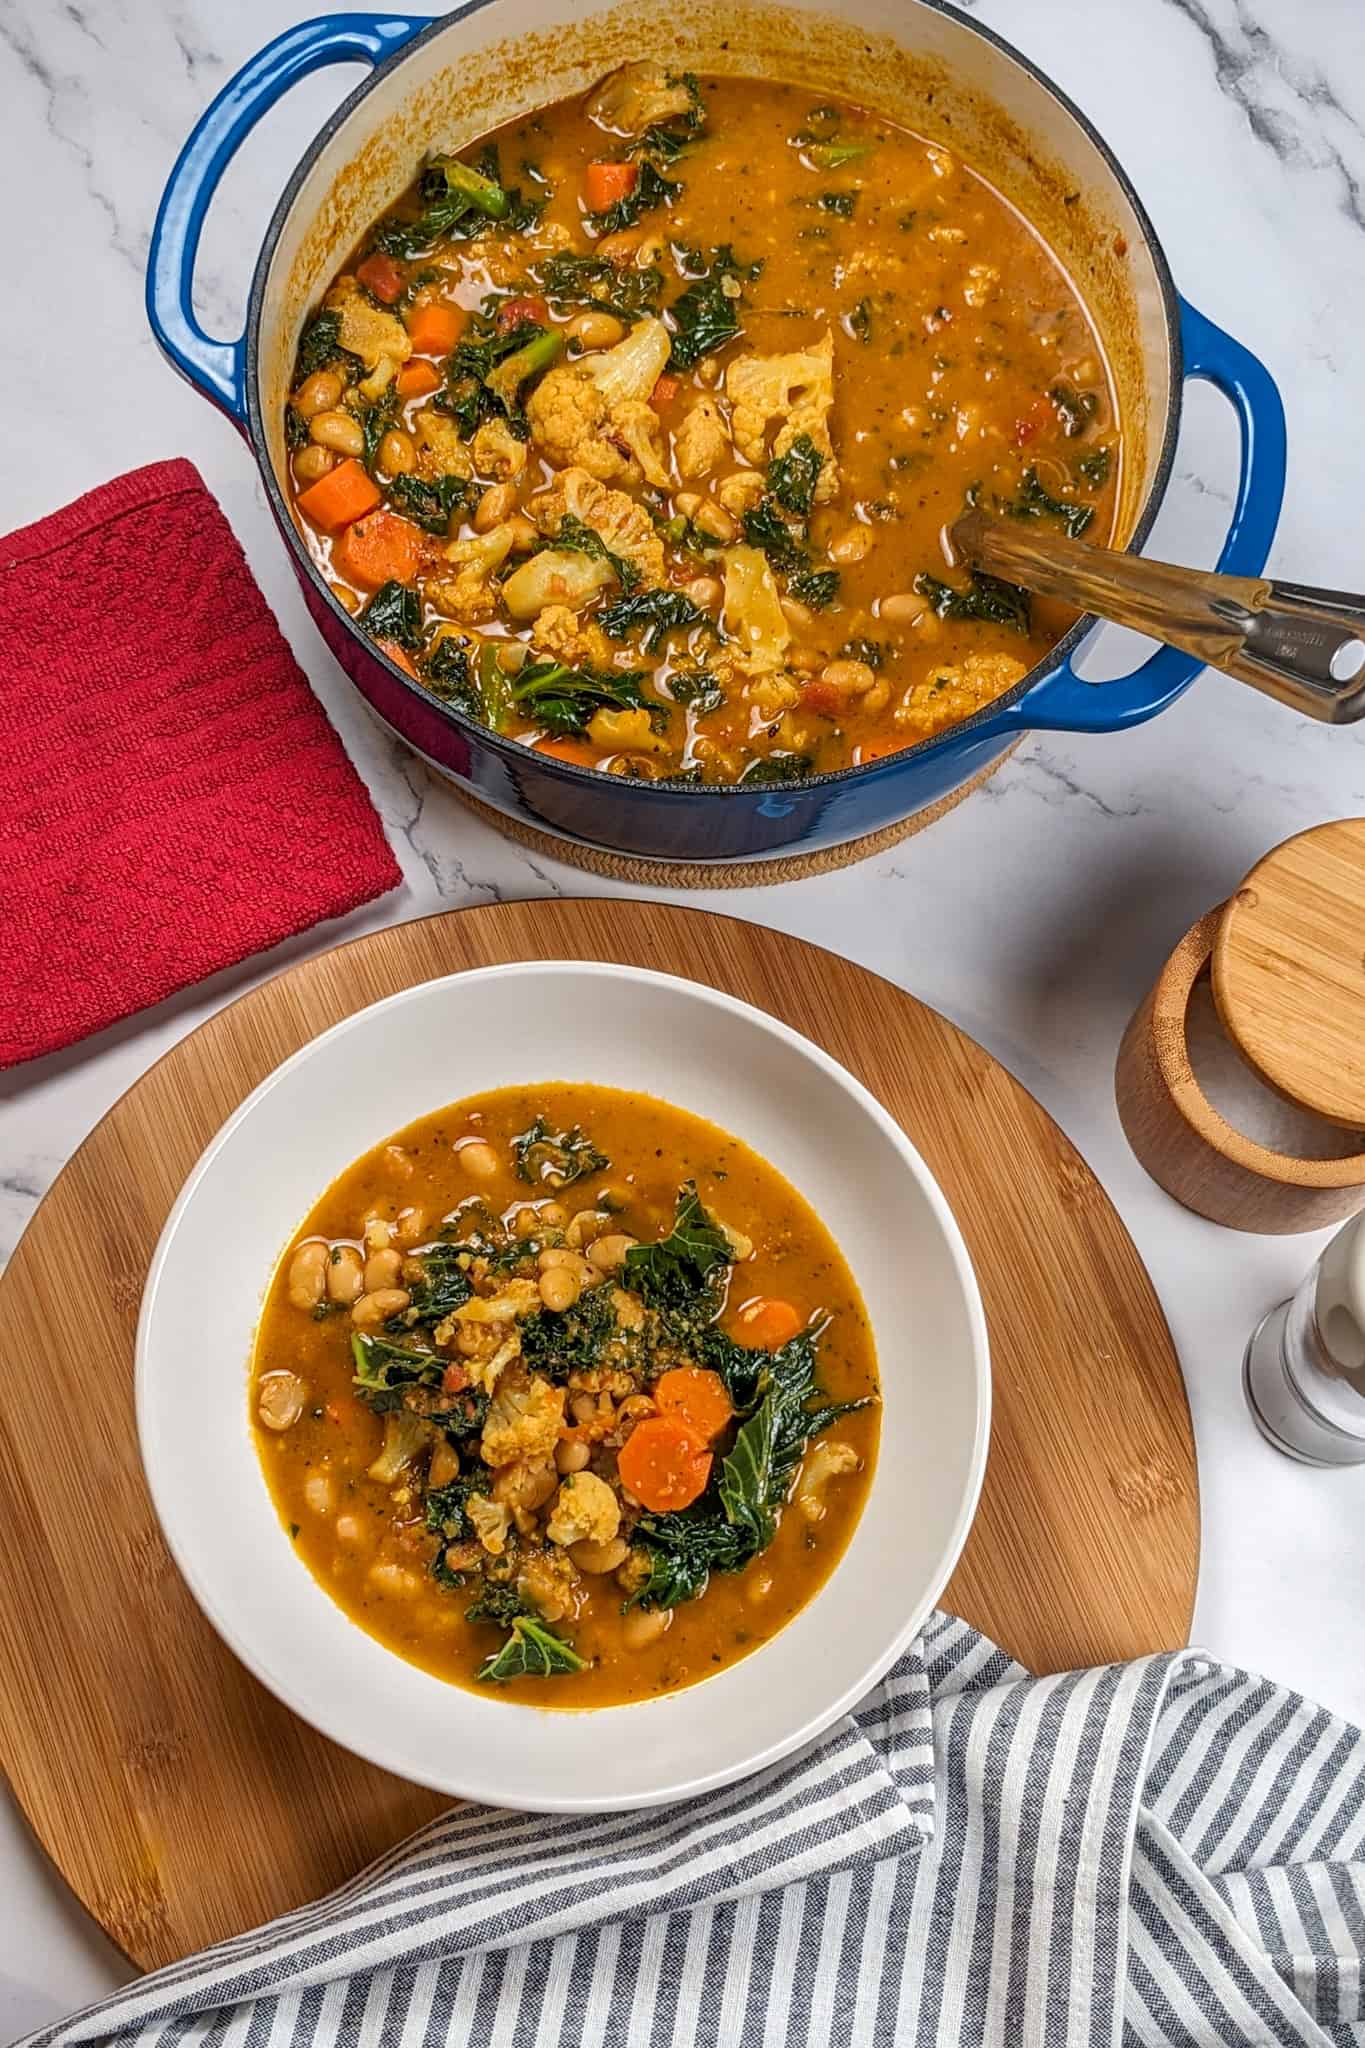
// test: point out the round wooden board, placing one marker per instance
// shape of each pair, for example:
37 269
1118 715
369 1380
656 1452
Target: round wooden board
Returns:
1289 970
181 1803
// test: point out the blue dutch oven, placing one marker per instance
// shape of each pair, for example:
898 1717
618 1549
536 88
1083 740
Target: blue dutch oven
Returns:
442 82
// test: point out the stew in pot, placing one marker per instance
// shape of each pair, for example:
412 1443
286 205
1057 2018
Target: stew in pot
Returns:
635 433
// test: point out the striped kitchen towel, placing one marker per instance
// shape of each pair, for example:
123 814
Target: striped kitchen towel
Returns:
1167 1854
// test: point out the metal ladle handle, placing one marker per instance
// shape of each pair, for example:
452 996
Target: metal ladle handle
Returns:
1305 647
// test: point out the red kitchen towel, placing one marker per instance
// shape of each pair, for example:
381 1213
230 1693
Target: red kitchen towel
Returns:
173 798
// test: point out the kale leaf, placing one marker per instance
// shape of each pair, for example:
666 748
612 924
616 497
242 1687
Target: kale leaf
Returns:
449 674
394 613
569 280
486 369
557 1158
776 768
564 699
1034 501
657 612
987 598
697 687
666 140
706 315
320 349
533 1650
842 203
433 503
764 527
651 189
792 477
582 539
447 1507
443 1287
1077 408
673 1270
814 587
459 202
384 1370
555 1343
1095 467
295 428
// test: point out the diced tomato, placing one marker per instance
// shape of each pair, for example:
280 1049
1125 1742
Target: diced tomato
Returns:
1031 423
822 698
417 380
454 1379
604 184
512 312
434 328
664 392
382 276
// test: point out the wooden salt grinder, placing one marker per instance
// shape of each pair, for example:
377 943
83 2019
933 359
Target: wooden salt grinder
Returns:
1286 955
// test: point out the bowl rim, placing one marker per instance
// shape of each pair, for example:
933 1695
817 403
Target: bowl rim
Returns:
512 752
375 1747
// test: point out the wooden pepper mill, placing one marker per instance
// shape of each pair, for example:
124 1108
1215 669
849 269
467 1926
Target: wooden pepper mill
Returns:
1284 961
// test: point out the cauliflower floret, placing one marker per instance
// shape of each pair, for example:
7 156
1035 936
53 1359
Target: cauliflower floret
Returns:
549 1581
491 1519
753 614
440 451
702 440
585 1509
630 100
558 579
626 732
949 694
523 1421
493 1322
524 1487
497 452
593 412
741 492
469 594
798 389
824 1463
614 517
772 694
578 643
366 330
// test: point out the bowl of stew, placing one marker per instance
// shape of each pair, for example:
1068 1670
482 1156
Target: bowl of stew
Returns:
557 1389
615 380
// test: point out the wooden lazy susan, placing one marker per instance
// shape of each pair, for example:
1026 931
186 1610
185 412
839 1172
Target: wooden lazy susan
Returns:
180 1801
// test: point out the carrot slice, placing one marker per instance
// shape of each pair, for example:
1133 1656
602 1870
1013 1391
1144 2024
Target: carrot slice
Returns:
665 390
417 380
405 661
664 1464
382 276
382 548
344 494
576 751
434 329
604 184
765 1324
697 1397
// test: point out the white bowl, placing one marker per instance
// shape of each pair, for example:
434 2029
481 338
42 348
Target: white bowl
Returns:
406 1057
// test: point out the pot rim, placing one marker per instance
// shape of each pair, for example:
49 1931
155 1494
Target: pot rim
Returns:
513 751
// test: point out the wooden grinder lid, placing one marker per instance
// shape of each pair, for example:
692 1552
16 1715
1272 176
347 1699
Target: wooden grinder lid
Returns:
1288 970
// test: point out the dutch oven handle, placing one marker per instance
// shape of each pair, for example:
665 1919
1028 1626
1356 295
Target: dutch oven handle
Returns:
217 368
1063 701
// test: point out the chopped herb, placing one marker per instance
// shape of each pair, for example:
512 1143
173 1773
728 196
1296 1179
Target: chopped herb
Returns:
842 203
986 598
1077 408
651 189
533 1650
706 315
654 614
394 613
433 503
860 321
1095 467
1034 501
564 699
832 156
558 1158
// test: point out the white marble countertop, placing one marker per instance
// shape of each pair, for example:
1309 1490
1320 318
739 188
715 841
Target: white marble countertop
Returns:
1036 916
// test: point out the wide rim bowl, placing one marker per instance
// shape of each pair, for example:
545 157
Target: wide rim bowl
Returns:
713 1054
